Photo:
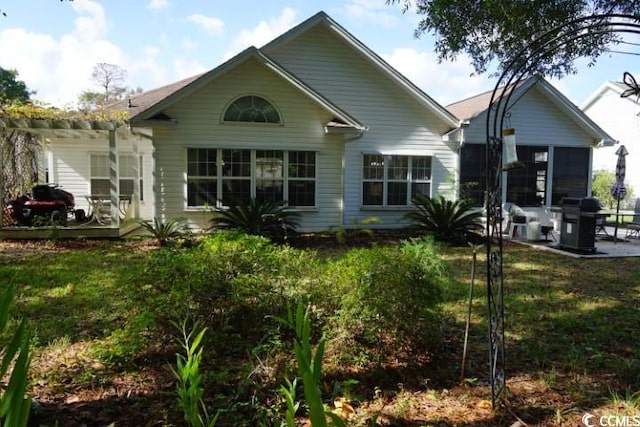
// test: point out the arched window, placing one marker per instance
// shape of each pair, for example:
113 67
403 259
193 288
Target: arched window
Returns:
252 109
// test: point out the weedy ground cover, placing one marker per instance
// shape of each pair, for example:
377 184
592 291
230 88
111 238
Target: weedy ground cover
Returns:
104 346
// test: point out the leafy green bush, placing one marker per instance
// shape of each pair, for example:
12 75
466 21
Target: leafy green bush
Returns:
601 189
389 294
229 282
262 218
446 220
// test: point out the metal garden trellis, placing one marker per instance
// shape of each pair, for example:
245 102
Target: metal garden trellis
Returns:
522 66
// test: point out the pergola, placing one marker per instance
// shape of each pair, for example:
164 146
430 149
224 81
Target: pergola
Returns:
111 132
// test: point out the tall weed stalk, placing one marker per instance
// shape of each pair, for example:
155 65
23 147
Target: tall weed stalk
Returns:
309 369
14 406
190 390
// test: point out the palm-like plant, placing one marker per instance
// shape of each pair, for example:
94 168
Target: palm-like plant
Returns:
165 232
263 218
446 220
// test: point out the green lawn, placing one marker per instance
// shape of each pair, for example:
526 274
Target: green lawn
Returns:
573 345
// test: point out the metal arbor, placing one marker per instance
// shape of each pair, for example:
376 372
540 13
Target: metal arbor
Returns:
522 66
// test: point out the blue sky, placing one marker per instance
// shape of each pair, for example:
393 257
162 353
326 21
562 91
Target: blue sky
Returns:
54 45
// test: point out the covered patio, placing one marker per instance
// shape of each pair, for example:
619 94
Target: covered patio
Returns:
109 215
605 246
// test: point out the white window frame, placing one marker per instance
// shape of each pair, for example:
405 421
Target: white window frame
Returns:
386 179
123 174
219 178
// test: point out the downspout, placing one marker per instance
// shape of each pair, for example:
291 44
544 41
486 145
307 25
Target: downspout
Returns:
136 185
461 140
359 135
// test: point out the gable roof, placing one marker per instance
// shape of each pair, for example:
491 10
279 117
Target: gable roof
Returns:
616 87
321 18
150 105
473 107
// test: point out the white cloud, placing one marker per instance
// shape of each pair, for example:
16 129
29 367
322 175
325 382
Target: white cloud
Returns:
212 26
373 12
183 69
158 4
262 33
446 82
59 69
92 22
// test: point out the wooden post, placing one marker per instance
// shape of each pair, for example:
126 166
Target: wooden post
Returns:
114 180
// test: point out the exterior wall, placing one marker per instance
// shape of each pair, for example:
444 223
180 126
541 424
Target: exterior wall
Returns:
397 123
199 125
619 118
69 166
538 122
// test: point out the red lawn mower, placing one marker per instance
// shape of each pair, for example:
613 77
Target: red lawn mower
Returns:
48 205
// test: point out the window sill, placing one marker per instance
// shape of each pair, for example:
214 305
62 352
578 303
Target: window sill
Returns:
386 208
196 209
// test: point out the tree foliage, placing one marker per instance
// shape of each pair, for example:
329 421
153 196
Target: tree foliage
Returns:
492 32
111 79
12 89
601 189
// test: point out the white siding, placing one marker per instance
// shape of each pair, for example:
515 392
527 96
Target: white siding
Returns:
71 167
619 118
397 123
537 121
199 126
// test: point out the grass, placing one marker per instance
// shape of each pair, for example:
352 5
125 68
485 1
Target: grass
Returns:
571 327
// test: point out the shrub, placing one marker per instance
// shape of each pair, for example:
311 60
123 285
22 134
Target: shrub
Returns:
263 218
389 294
165 232
601 189
446 220
229 282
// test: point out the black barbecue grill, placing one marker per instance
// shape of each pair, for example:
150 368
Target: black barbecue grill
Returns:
578 229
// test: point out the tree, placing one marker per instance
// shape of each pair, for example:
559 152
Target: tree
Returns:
601 189
111 79
494 31
12 89
18 150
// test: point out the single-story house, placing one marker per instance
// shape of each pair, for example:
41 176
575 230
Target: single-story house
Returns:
313 118
620 117
317 119
554 139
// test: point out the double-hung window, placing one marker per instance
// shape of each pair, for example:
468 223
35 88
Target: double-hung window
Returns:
227 176
99 166
394 180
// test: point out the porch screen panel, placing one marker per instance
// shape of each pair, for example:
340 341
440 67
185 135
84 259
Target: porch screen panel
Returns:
472 173
527 186
302 178
570 173
202 177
